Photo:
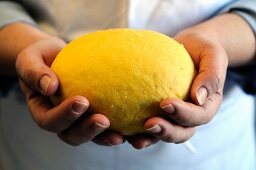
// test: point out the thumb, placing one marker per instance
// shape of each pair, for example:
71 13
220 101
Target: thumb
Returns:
32 68
210 79
205 84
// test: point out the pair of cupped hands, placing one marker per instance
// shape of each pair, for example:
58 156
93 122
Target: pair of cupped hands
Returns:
70 122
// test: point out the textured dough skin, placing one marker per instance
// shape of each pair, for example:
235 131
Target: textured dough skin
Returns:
124 74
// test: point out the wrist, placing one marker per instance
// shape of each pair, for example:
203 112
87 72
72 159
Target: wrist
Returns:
13 39
235 36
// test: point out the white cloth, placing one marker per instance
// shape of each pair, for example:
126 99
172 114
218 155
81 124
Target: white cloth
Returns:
170 16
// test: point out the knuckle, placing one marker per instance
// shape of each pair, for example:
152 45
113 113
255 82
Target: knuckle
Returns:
166 136
207 117
67 140
44 124
208 114
68 119
215 82
27 76
72 143
26 69
186 137
21 59
41 124
177 136
193 123
181 140
186 119
85 139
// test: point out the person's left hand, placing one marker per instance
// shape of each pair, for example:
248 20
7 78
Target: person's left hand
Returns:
211 62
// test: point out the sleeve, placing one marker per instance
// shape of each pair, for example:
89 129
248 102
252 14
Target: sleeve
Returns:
11 12
245 75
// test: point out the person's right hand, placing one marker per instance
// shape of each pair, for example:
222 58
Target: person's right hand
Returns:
38 82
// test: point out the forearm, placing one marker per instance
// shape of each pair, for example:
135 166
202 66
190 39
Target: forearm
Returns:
235 36
13 39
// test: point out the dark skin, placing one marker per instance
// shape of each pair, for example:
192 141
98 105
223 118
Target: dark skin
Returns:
213 46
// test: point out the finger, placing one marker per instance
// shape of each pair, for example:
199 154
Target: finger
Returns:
60 117
211 76
168 132
109 138
85 130
207 83
189 114
141 141
32 66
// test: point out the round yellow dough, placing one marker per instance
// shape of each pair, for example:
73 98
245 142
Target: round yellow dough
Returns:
125 74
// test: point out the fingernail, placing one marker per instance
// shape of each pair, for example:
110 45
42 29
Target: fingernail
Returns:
99 125
155 129
201 95
168 108
79 107
44 83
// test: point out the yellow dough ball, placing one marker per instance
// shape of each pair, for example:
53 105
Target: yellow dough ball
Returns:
125 74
